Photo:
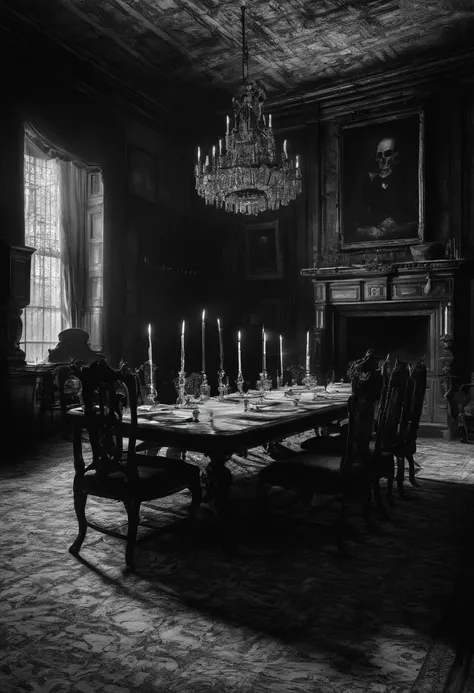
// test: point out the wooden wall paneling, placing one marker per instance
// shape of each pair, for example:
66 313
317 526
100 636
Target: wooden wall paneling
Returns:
455 166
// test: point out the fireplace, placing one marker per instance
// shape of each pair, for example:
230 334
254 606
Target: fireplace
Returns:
405 309
405 337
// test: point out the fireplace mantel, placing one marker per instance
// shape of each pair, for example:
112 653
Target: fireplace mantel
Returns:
428 289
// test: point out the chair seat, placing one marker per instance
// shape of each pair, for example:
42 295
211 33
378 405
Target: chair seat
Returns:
304 471
157 477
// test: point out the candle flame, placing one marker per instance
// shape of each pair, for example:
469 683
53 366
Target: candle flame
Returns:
182 329
199 154
218 324
203 315
238 336
149 329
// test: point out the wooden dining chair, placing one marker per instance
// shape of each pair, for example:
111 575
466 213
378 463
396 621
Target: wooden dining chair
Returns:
345 478
116 473
405 447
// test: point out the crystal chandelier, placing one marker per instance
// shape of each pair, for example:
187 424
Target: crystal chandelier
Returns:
247 176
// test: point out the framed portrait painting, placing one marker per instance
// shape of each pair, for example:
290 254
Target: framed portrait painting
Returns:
263 259
381 174
143 174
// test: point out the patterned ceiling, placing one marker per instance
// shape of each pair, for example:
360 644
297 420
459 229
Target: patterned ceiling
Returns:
294 44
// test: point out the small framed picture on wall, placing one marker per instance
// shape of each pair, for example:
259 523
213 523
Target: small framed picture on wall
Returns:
263 257
143 174
381 175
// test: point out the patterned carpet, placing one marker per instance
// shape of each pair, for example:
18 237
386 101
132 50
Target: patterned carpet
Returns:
283 612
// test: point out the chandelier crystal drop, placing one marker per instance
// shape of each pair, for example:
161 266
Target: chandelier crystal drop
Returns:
248 175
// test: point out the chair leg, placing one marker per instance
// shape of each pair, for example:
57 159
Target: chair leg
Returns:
400 475
390 480
80 500
133 513
411 470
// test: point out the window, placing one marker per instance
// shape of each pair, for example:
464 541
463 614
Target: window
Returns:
44 318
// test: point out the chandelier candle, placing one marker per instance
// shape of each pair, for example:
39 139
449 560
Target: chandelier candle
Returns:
307 354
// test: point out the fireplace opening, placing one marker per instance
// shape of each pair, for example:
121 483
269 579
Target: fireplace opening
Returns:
405 336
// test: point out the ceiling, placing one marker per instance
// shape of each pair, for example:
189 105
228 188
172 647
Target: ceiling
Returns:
158 47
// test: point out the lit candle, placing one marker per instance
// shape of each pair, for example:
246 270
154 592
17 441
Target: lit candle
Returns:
207 161
199 155
297 161
150 357
307 353
227 124
203 340
220 146
270 120
182 347
284 149
214 153
221 345
239 354
281 356
264 350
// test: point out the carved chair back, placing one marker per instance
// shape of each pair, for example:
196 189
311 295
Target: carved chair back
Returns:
106 392
394 404
416 389
366 391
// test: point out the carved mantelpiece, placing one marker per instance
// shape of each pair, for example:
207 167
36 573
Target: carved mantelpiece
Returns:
426 289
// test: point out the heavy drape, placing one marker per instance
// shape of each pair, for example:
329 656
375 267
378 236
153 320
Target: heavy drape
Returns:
73 186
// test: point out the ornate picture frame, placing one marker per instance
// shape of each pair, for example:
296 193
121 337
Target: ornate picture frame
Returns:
263 257
381 182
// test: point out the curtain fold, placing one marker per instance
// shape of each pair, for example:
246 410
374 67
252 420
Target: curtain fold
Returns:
73 241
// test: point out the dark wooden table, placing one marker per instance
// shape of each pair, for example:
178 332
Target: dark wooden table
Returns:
230 430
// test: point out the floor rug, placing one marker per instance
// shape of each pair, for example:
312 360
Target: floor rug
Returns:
280 612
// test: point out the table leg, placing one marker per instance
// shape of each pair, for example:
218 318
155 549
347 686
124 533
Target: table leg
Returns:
217 481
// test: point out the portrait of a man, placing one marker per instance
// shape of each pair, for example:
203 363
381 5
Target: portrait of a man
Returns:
381 192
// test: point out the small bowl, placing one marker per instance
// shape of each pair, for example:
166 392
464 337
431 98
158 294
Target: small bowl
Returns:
428 251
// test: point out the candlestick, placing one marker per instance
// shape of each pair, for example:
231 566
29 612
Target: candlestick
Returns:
222 386
152 394
264 350
281 357
239 355
221 345
307 354
203 341
182 347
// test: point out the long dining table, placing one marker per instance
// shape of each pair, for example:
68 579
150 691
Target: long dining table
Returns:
228 426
